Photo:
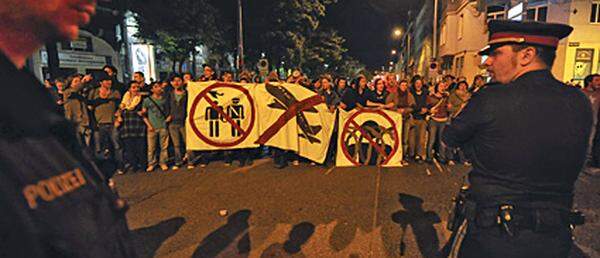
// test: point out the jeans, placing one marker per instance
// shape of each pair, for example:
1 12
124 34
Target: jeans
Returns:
162 135
435 135
177 133
404 135
133 152
107 138
417 137
84 135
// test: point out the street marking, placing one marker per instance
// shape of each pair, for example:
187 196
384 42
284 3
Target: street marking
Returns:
438 166
255 164
329 170
375 208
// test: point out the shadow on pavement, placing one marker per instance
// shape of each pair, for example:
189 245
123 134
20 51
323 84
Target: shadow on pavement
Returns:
222 240
299 235
421 223
148 240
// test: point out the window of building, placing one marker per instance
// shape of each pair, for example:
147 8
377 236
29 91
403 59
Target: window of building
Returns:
595 13
444 34
495 12
461 23
538 13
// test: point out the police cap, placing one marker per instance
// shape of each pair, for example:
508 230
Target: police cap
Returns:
502 32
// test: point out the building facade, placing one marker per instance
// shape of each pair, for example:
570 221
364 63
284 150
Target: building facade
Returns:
463 31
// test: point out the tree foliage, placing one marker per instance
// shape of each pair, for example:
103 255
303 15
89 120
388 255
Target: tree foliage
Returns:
177 27
295 35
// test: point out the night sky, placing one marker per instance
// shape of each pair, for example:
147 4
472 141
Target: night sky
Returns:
367 25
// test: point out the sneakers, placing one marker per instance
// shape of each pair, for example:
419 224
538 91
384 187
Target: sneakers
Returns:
164 167
175 167
404 163
451 163
202 165
468 164
296 163
227 164
419 160
190 166
150 169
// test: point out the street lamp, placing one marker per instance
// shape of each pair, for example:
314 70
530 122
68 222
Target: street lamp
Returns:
397 32
394 52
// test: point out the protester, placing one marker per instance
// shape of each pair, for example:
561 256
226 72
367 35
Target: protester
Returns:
76 108
104 102
438 105
478 83
140 78
332 99
592 91
404 103
341 86
155 109
458 100
132 129
354 98
377 97
208 74
177 115
418 125
116 84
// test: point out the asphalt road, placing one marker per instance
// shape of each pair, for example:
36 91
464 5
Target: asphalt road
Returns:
307 211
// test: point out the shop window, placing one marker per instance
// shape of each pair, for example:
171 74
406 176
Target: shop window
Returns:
595 13
583 63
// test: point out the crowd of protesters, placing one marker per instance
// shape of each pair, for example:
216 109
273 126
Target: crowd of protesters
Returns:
142 126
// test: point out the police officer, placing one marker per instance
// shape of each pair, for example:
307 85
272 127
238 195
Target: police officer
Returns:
527 136
53 199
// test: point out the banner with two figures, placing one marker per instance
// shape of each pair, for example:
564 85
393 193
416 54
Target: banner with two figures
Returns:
225 116
221 116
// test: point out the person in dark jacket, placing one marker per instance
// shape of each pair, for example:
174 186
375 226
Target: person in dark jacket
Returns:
54 200
525 162
178 113
418 125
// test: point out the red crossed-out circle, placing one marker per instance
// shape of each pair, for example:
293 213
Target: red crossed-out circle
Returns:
351 121
204 96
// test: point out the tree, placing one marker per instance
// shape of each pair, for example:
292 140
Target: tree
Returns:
294 35
177 27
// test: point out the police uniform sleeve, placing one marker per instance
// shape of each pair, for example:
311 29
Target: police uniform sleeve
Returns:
17 233
469 122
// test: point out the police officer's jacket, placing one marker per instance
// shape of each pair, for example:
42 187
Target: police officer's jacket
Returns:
527 139
53 201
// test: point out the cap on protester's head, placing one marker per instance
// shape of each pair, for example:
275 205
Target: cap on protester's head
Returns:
502 32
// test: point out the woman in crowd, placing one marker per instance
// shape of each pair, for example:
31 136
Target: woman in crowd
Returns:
341 86
458 99
377 97
418 125
478 83
133 129
438 117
